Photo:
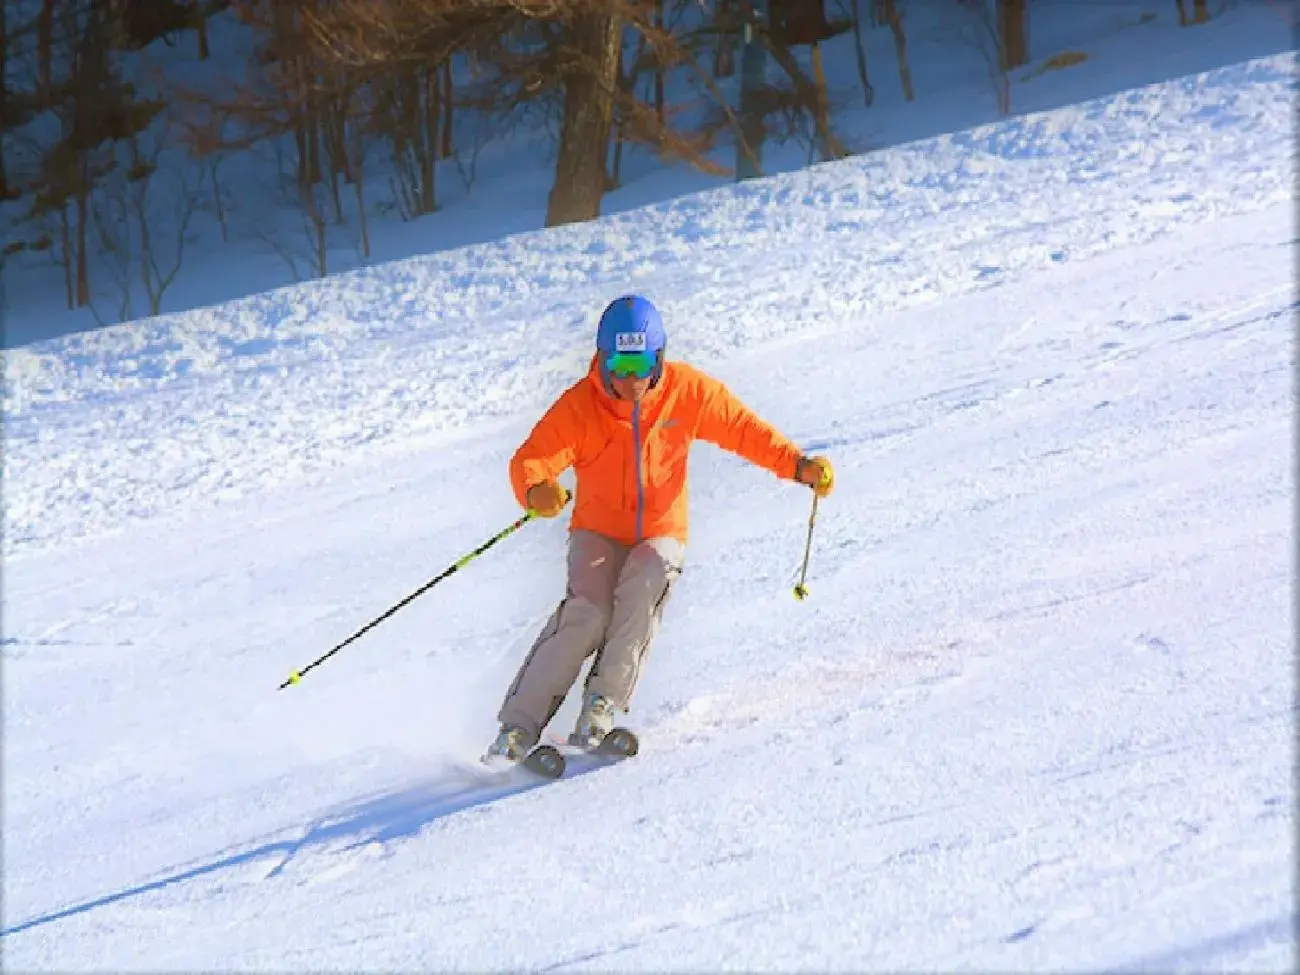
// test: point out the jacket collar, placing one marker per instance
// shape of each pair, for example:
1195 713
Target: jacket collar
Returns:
621 408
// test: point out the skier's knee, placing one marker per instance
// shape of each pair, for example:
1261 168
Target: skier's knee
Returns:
588 621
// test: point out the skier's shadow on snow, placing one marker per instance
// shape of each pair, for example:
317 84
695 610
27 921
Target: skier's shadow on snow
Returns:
377 819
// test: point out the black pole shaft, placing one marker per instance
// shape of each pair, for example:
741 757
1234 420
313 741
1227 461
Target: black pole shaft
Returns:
807 545
297 675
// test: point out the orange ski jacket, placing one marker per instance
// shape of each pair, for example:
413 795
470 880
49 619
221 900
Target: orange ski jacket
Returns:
630 459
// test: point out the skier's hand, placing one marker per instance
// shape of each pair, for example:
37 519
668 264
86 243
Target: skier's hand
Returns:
547 499
817 474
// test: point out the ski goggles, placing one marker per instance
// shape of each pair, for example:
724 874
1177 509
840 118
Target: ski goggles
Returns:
636 364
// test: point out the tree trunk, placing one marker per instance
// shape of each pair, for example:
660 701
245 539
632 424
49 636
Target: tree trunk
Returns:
309 95
65 243
340 109
201 28
334 113
753 82
394 98
724 52
293 78
809 94
317 229
447 147
218 201
148 266
337 159
44 48
868 93
659 68
890 10
83 271
821 108
1013 50
428 140
1201 12
356 162
312 123
616 166
300 144
626 84
4 98
588 111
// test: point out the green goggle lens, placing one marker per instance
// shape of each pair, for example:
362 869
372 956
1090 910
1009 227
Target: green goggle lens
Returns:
624 364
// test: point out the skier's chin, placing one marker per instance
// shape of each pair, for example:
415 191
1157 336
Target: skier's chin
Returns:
633 392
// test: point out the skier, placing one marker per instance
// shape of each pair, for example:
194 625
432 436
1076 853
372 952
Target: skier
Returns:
626 428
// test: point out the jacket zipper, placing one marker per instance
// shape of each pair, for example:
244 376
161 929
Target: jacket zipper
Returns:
636 442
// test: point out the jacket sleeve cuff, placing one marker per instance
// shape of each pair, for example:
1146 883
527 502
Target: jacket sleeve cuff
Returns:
798 466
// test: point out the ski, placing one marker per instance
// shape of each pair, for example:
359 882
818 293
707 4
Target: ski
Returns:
546 761
550 759
618 744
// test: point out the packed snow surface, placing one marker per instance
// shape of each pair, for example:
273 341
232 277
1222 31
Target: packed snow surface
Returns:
1037 712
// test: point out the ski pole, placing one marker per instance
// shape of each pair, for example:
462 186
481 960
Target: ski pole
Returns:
297 675
800 590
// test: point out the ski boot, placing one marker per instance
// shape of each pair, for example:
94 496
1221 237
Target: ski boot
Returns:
511 745
514 746
594 722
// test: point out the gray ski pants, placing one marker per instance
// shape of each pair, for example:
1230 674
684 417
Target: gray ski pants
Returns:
612 607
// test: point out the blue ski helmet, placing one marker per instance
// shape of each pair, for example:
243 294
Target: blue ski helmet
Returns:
631 324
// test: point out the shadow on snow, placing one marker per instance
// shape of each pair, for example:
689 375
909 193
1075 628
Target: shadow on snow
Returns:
394 815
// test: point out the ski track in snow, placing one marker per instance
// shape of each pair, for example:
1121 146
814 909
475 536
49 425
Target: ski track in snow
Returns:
1037 713
171 414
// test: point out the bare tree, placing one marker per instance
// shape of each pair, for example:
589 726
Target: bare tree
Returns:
629 76
358 144
295 85
45 48
466 158
889 13
810 92
5 110
979 25
446 148
11 114
212 168
826 141
159 267
111 215
868 92
303 245
1200 13
591 48
410 109
318 125
1013 42
201 30
317 229
725 27
208 138
200 11
533 52
142 217
94 108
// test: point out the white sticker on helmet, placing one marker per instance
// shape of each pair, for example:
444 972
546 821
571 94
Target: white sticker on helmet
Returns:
629 342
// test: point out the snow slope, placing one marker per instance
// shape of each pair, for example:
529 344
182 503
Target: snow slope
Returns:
1127 44
209 404
1037 713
